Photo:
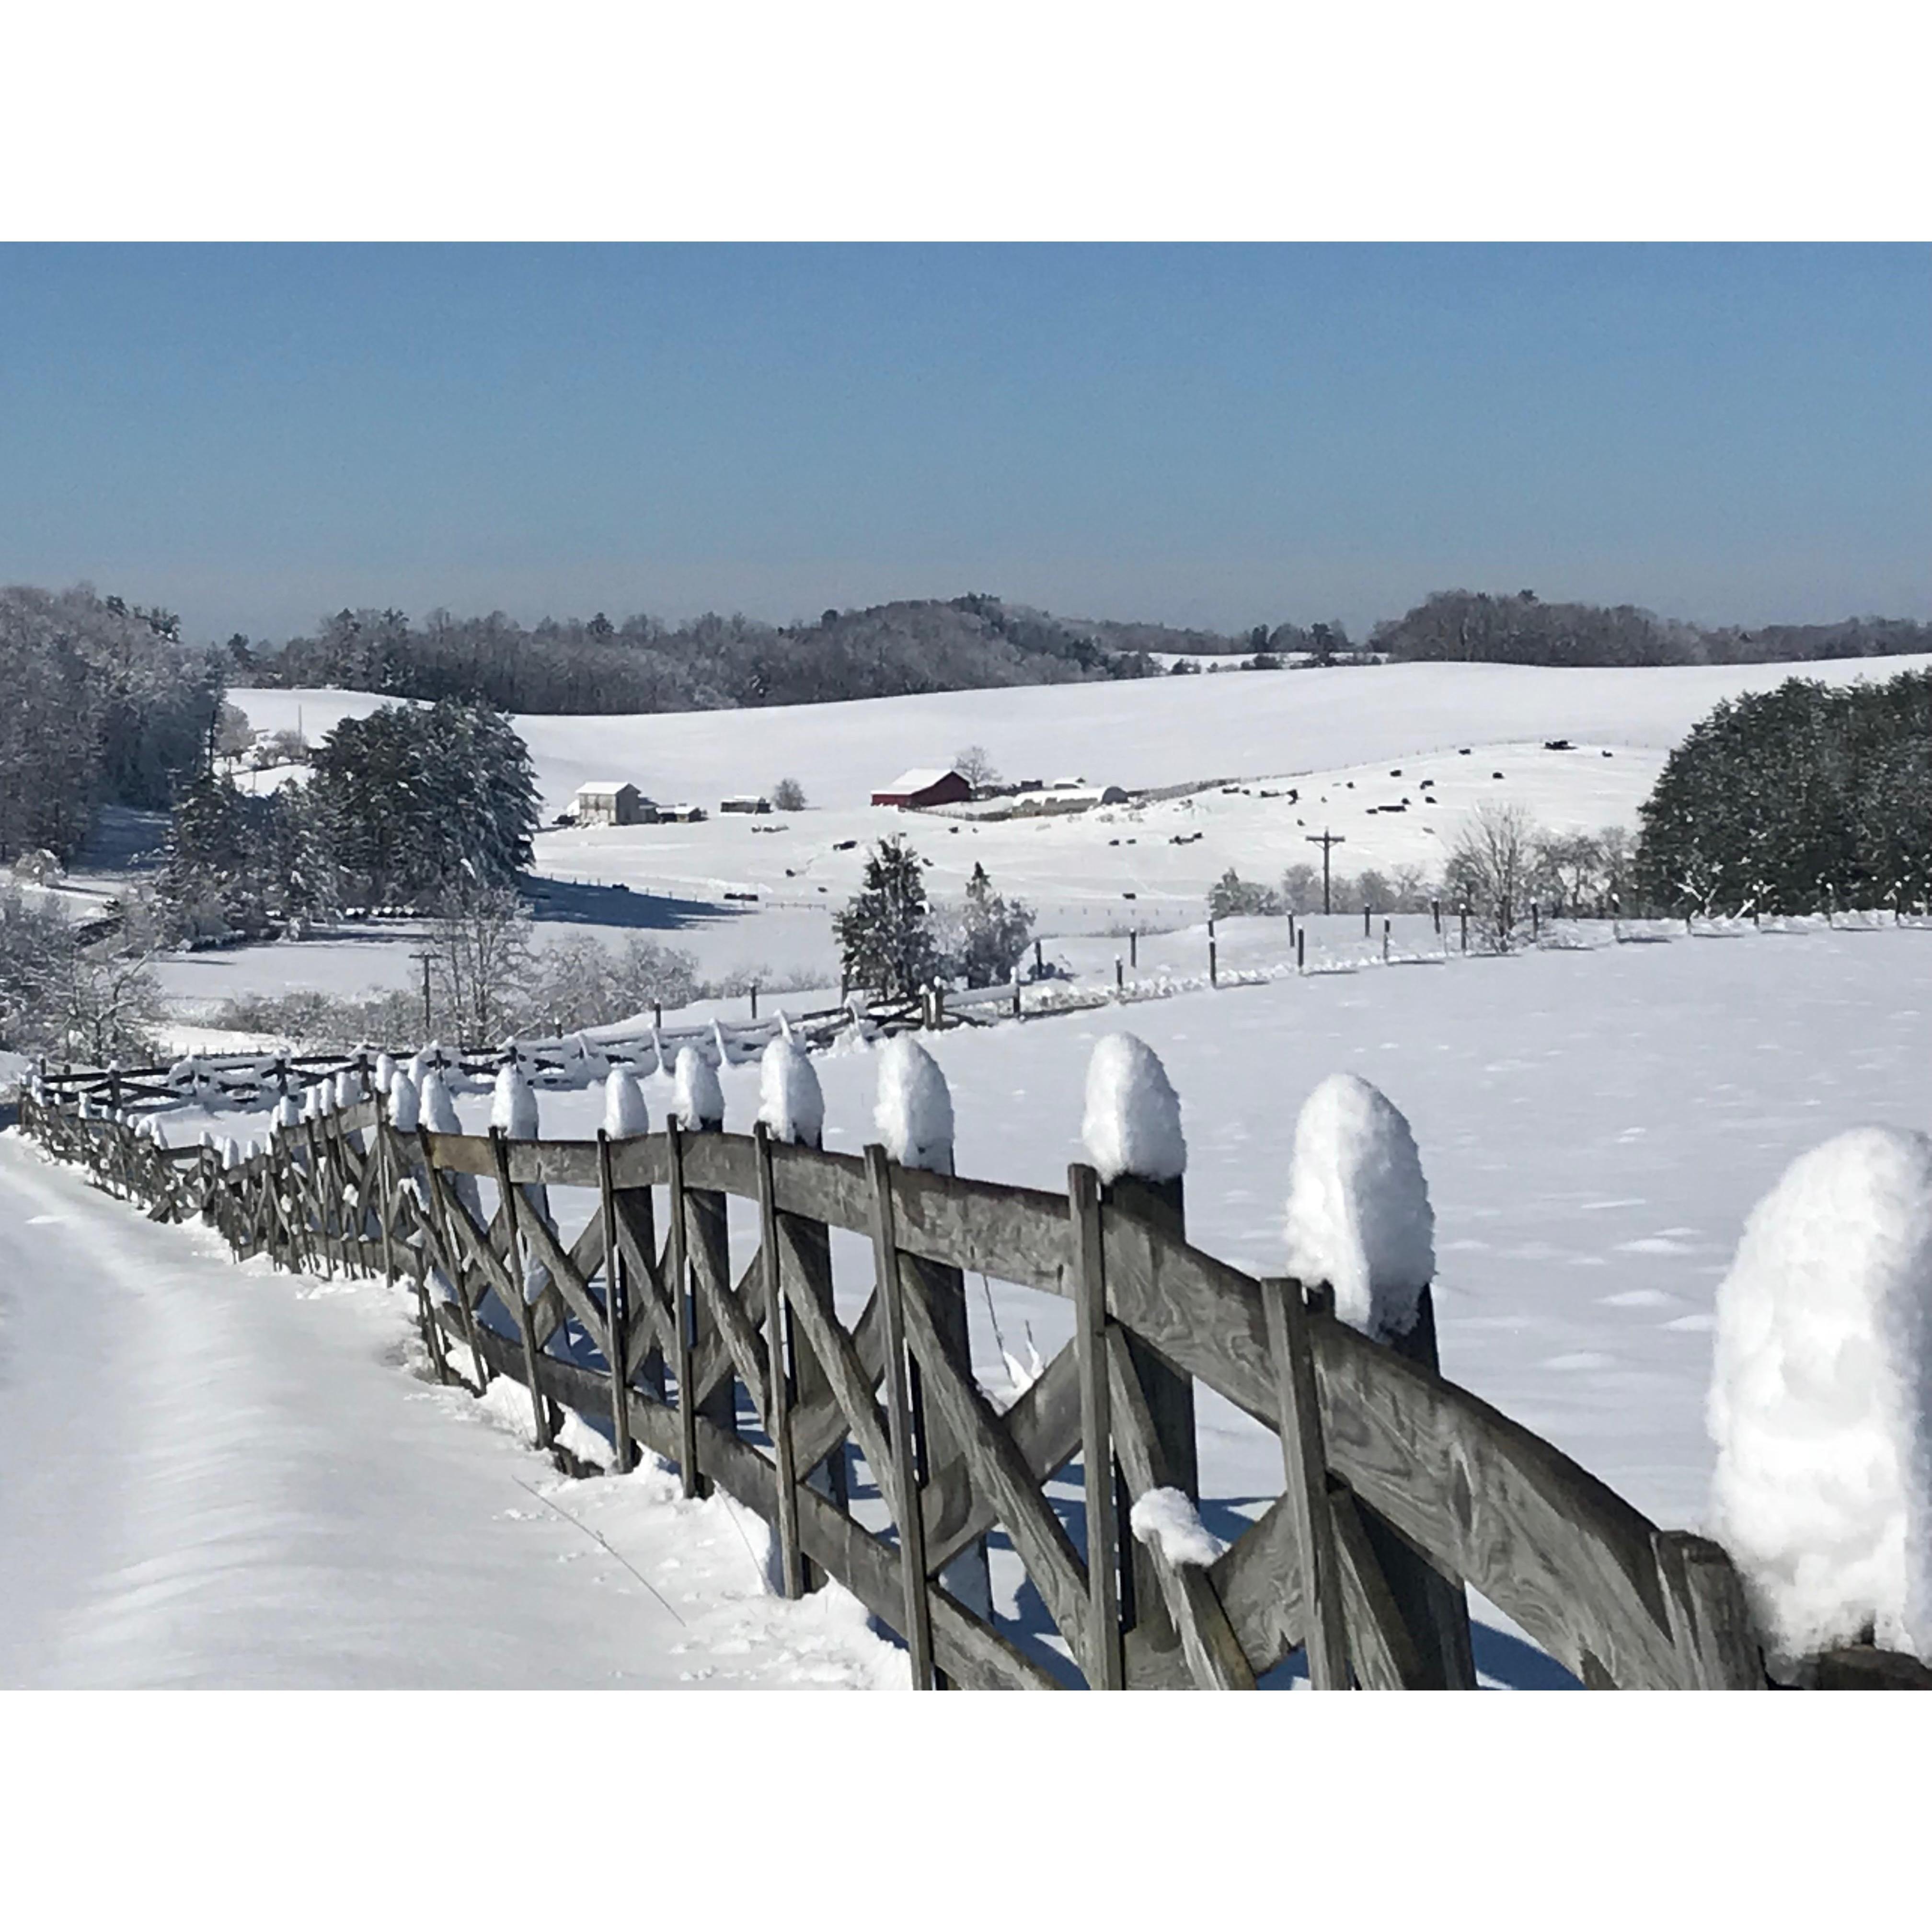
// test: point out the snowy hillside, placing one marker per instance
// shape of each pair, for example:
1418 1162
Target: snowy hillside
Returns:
1159 731
1337 750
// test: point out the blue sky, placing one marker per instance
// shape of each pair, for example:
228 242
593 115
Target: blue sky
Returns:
1224 436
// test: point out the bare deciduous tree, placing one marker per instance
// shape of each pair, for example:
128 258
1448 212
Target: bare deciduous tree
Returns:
63 994
976 766
479 950
1492 871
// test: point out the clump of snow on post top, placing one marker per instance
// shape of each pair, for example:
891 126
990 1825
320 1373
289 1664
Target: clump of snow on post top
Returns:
513 1106
697 1101
790 1102
439 1110
625 1113
1167 1518
1133 1122
1821 1398
403 1106
914 1114
1358 1212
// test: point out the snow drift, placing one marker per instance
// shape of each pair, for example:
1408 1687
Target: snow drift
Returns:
1133 1122
1358 1212
1821 1398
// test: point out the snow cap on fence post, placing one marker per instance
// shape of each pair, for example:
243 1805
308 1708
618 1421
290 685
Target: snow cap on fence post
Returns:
914 1114
231 1153
1358 1212
386 1072
346 1094
439 1110
1132 1121
626 1115
288 1112
1821 1399
404 1105
697 1101
513 1106
791 1102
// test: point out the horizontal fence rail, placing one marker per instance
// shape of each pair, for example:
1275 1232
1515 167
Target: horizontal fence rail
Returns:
632 1309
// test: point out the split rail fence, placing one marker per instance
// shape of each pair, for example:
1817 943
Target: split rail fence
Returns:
1399 1487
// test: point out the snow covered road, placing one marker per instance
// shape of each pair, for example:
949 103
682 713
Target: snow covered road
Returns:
219 1475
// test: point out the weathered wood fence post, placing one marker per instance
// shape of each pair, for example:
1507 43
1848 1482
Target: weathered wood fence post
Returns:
1169 1390
1096 1433
901 1481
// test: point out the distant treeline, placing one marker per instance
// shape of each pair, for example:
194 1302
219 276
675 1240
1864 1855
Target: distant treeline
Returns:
972 642
1474 627
711 663
100 704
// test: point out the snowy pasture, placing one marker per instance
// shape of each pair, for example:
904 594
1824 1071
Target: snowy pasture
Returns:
1594 1128
1350 743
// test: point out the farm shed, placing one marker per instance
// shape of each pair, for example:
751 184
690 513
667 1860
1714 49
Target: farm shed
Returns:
921 786
681 814
610 803
745 802
1065 798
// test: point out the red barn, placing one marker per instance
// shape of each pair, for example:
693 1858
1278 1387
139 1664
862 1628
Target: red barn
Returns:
924 787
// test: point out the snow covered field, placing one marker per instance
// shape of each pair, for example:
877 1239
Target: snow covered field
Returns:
1350 742
1158 731
1595 1127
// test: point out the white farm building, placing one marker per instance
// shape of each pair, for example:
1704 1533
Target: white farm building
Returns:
611 803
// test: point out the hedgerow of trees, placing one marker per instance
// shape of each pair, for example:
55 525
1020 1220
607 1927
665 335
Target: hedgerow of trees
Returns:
409 806
1797 800
103 705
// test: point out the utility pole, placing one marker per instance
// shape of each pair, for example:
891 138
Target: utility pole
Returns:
1327 841
428 1025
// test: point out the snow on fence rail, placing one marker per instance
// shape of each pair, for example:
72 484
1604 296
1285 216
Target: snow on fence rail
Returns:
1399 1486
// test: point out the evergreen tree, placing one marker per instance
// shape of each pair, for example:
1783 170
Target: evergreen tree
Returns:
1796 800
416 802
1233 897
241 865
885 934
994 932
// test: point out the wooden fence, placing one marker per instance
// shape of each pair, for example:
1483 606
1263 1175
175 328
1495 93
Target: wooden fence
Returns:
1399 1487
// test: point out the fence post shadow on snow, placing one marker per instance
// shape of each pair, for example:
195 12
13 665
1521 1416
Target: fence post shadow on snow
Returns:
1399 1487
